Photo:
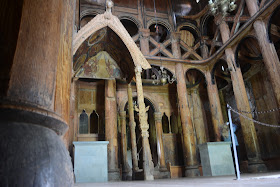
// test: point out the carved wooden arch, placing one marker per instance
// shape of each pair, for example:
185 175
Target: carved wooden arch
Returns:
197 69
237 63
132 19
191 28
90 12
160 21
204 22
108 20
221 60
125 100
275 11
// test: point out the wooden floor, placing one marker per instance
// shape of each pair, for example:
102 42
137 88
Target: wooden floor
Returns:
247 180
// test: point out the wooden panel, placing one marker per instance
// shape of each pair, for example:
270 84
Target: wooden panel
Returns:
85 97
176 171
126 3
161 5
173 149
187 37
87 137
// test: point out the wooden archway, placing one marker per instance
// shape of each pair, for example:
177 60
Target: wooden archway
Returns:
108 20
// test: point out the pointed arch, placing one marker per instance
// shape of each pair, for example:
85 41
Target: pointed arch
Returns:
108 20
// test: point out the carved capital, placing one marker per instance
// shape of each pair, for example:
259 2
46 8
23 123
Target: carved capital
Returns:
144 33
138 69
158 116
122 114
175 37
144 133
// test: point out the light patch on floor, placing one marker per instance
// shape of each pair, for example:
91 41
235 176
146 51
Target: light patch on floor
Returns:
267 177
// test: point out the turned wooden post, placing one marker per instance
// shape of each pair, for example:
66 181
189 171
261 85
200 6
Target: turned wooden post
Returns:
111 129
125 167
35 81
189 146
198 118
144 41
132 126
215 105
160 149
148 165
270 57
255 164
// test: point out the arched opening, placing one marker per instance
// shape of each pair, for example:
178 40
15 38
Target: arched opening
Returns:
85 20
190 36
159 32
152 133
130 26
94 123
174 124
211 34
199 105
165 124
259 89
274 29
83 123
132 29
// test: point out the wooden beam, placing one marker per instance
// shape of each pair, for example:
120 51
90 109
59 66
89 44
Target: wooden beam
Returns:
241 19
214 41
237 17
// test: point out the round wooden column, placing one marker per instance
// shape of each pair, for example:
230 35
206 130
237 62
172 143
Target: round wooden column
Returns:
132 126
215 105
148 165
36 38
189 146
111 129
175 44
198 116
126 171
144 41
255 163
160 148
270 57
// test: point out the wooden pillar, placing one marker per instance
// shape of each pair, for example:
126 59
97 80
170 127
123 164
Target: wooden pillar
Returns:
160 149
270 57
111 129
223 105
144 41
255 164
198 118
36 42
189 146
77 15
132 126
148 165
126 171
215 105
141 14
175 44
